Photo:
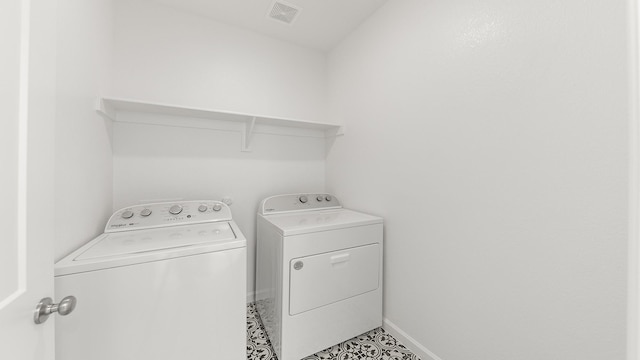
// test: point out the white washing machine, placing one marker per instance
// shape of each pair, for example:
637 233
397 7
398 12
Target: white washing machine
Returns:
165 281
318 273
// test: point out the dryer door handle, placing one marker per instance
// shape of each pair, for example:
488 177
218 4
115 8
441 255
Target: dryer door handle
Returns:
335 259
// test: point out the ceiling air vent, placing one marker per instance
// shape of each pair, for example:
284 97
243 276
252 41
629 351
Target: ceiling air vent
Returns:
283 12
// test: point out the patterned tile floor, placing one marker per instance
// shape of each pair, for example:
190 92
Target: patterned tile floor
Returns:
377 344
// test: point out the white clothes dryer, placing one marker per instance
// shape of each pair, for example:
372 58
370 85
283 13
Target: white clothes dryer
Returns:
165 281
318 273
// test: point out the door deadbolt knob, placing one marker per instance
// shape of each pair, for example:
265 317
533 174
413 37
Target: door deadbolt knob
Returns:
46 307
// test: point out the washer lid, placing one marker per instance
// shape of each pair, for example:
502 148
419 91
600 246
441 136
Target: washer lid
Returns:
134 242
314 221
140 246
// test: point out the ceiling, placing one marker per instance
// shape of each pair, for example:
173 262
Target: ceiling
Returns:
320 24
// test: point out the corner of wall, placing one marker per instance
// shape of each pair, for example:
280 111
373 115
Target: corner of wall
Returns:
83 160
633 298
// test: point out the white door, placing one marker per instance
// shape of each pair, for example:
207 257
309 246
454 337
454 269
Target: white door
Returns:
27 111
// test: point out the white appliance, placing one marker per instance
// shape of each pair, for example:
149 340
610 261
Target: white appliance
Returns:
165 281
318 273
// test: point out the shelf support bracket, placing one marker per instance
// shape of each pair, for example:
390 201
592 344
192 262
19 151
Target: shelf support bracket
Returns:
247 134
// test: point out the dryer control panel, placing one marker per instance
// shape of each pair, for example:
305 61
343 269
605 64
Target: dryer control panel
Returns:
298 202
148 216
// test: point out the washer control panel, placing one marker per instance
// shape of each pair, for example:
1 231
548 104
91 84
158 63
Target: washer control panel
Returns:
298 202
148 216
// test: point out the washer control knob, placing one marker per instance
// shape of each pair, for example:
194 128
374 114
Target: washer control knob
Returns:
217 207
175 209
303 199
319 198
145 212
328 197
202 208
127 214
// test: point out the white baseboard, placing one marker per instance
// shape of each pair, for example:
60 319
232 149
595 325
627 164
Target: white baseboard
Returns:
411 343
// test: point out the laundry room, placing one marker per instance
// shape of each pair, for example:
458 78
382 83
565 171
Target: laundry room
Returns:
485 150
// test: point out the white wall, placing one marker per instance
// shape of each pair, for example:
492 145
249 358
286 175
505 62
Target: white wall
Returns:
492 137
164 55
170 56
83 181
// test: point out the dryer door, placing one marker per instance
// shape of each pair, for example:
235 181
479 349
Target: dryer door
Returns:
322 279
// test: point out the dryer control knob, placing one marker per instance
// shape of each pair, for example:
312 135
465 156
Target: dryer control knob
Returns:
217 207
303 199
319 198
328 198
145 212
202 208
175 209
127 214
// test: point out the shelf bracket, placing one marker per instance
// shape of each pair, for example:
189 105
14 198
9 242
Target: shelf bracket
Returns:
247 134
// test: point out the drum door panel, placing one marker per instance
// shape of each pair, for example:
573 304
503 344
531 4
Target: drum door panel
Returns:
322 279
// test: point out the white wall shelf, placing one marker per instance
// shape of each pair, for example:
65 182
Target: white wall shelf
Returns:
180 116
